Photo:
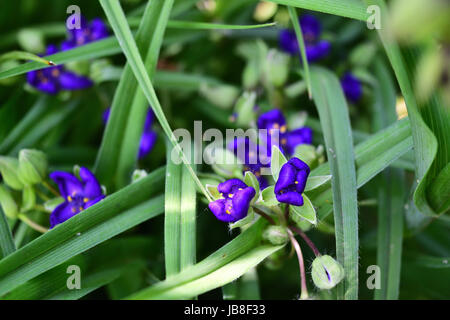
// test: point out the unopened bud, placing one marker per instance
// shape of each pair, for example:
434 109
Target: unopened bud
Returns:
222 96
277 68
32 166
276 235
7 203
9 169
138 175
244 109
326 272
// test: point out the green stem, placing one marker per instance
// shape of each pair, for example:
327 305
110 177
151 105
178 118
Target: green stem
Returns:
32 224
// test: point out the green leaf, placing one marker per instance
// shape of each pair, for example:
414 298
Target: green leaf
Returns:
252 181
425 143
333 111
277 161
9 170
6 240
119 24
316 182
391 193
159 15
306 211
345 8
21 55
242 244
215 279
113 215
268 197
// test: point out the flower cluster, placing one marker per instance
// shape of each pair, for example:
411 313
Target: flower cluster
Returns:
88 32
278 134
316 48
78 194
54 79
148 137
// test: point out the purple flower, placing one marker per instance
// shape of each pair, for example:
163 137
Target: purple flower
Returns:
78 195
148 138
278 134
315 48
252 157
291 182
89 32
352 87
54 79
235 201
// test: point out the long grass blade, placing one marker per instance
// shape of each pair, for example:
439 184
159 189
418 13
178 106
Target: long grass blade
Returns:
354 9
118 21
333 112
301 45
128 152
7 245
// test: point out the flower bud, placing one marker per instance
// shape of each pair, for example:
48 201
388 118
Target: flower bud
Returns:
276 235
264 11
222 96
7 203
32 166
28 199
9 169
31 40
244 109
326 272
277 68
224 162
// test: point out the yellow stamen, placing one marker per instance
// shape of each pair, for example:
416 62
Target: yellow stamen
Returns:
276 125
85 200
228 211
69 198
283 129
74 210
296 182
283 141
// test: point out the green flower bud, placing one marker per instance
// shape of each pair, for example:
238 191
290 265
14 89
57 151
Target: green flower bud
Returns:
277 68
7 203
244 109
276 235
326 272
222 96
264 11
32 166
224 162
28 198
9 169
31 40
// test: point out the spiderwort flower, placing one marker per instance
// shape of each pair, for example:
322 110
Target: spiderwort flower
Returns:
315 48
250 154
291 182
352 87
88 32
274 121
235 201
148 138
78 195
54 79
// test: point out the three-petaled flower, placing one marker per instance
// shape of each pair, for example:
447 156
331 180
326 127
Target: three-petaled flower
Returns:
235 201
311 29
291 182
54 79
252 157
88 32
78 194
352 87
148 137
278 134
